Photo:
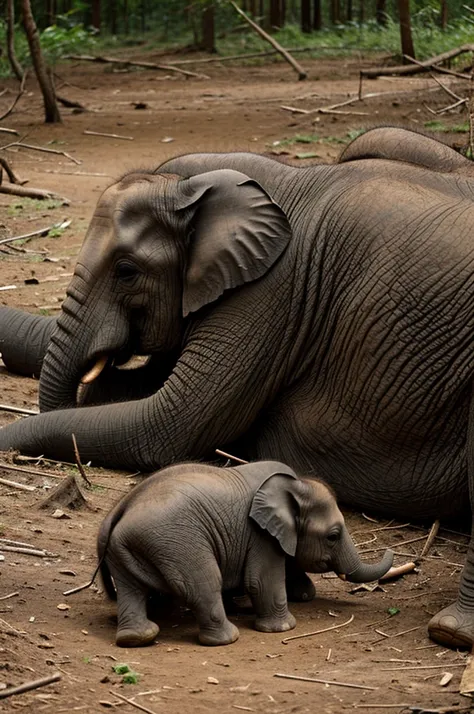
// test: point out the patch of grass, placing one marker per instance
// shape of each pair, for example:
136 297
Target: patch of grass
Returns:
33 204
436 125
128 675
297 139
44 311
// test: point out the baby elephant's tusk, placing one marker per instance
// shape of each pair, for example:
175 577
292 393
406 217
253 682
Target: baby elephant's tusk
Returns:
95 371
342 576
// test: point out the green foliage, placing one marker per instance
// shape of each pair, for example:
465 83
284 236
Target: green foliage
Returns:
128 675
436 125
59 40
393 611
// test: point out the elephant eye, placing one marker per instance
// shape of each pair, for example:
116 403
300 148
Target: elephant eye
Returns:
126 271
334 536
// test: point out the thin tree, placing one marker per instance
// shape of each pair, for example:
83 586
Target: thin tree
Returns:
306 16
444 14
208 37
405 28
381 12
317 15
51 110
14 64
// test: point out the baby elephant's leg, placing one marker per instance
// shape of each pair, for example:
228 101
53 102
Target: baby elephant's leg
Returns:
202 591
299 586
134 629
265 583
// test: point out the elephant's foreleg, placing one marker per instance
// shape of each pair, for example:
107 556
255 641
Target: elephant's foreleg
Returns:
265 583
24 339
134 629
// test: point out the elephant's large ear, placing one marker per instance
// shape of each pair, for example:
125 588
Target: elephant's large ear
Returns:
276 508
239 232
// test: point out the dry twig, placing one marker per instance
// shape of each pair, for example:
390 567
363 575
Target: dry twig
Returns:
430 540
28 686
109 136
19 486
324 681
143 65
79 462
26 236
318 632
132 703
17 410
21 145
15 101
229 456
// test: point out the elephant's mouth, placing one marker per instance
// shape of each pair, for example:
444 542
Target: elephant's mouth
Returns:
123 360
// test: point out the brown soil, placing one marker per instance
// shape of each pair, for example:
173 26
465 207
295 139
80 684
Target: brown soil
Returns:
238 108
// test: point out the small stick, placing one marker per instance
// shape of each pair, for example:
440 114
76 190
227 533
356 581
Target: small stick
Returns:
19 486
61 477
21 145
23 469
396 545
8 541
27 551
38 193
129 63
430 540
318 632
295 110
397 634
18 632
79 463
7 597
109 136
324 681
423 666
28 686
397 571
298 69
132 703
14 103
39 232
8 131
229 456
378 706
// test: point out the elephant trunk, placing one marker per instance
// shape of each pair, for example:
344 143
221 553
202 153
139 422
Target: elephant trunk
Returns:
349 564
24 340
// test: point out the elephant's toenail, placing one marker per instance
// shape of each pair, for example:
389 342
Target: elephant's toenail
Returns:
449 622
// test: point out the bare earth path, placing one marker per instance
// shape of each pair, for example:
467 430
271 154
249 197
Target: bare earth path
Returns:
236 109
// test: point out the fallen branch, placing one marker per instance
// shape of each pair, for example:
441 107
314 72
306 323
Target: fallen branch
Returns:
398 571
430 540
318 632
21 145
28 686
109 136
15 101
25 236
10 173
69 103
298 69
130 63
324 681
424 66
27 551
79 462
229 456
7 597
8 131
132 703
15 484
12 189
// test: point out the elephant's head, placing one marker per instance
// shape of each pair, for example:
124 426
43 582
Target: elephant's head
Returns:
303 515
158 248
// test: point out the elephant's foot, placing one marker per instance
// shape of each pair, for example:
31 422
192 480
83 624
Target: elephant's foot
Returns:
225 635
134 637
300 588
275 624
453 627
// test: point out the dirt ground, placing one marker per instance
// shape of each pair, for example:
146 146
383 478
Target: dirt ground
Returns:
384 652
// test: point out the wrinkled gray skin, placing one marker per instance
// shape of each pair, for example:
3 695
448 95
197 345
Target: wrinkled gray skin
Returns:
196 530
395 143
320 316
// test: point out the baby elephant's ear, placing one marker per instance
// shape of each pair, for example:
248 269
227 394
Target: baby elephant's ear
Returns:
276 507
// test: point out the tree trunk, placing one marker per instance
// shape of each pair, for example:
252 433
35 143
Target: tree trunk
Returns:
380 12
96 14
349 11
51 110
253 8
335 12
112 16
208 41
444 14
361 12
306 16
275 14
126 21
405 28
14 64
317 16
51 12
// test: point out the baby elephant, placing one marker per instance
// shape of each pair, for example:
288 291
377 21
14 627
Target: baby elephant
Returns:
195 530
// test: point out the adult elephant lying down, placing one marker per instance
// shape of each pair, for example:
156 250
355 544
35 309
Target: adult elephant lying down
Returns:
322 316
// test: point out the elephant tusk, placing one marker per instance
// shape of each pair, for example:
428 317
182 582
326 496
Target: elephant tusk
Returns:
95 371
341 576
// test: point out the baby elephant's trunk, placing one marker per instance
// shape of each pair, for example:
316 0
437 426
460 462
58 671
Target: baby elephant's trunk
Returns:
353 569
